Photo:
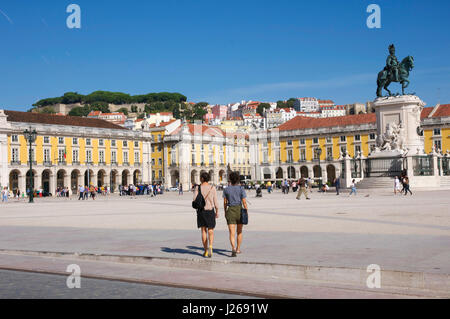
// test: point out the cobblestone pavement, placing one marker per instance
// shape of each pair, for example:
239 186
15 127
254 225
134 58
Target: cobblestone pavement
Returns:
25 285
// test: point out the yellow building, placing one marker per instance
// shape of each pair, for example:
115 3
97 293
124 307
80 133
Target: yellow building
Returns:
71 151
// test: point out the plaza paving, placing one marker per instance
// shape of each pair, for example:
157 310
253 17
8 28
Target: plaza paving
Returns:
399 233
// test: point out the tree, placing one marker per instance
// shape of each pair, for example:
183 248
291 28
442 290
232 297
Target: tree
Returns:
47 110
77 111
123 110
262 107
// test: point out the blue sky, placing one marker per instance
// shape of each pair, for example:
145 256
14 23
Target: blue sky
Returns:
220 51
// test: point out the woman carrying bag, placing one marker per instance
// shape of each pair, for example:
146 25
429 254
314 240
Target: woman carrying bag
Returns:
235 207
205 201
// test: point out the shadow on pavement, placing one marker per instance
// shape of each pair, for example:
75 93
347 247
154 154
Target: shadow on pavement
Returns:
193 250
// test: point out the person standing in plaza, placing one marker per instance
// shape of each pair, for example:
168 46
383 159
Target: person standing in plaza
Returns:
406 185
337 184
269 187
396 185
81 192
206 217
180 190
302 183
86 193
353 187
5 195
234 198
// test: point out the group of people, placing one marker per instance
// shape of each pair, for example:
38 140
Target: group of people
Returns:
234 200
141 189
402 180
62 192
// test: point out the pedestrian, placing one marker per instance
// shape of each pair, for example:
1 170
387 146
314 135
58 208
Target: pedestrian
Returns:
269 187
302 183
18 194
337 184
92 191
180 189
406 185
206 216
85 193
81 192
396 185
5 195
234 199
353 187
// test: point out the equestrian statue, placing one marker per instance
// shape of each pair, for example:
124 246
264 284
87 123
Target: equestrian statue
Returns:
394 72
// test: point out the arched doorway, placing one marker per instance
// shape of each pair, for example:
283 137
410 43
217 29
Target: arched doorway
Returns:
331 173
125 175
174 178
60 178
74 175
212 176
317 172
30 184
101 178
46 175
88 177
114 174
304 171
266 173
136 177
291 172
279 173
14 180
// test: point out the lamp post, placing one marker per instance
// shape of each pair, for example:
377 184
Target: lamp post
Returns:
319 152
30 136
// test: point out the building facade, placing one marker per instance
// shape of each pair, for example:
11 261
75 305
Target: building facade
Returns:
70 151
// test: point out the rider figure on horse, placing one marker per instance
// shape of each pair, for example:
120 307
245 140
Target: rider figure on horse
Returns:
392 64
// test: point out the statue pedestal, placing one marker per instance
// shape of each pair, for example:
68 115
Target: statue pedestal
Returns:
403 112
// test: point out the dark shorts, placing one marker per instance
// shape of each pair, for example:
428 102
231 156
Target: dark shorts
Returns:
233 215
206 218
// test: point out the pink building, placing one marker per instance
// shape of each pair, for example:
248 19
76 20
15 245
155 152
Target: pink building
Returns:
220 111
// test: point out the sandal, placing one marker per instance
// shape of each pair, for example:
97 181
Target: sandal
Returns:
205 254
210 252
233 253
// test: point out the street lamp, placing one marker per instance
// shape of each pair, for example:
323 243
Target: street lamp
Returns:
319 152
30 136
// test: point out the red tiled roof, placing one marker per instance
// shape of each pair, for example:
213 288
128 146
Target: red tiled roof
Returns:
302 122
39 118
162 124
443 110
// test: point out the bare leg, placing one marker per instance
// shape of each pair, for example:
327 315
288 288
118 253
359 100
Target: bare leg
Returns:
211 236
204 239
232 230
239 238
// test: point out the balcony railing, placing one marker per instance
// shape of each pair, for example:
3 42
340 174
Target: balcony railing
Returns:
48 163
126 164
103 163
15 163
137 164
34 163
75 162
62 163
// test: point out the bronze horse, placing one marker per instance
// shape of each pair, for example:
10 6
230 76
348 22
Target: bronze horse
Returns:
385 77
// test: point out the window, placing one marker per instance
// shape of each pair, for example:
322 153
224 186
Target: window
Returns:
289 142
125 143
15 155
316 153
329 153
113 143
343 150
61 155
88 141
153 161
101 142
437 132
343 138
32 154
137 157
159 137
315 140
60 140
372 147
113 157
75 158
265 157
14 138
329 140
372 136
303 154
88 156
46 139
159 174
221 158
193 159
136 144
193 147
159 148
357 150
437 145
357 137
47 155
125 157
289 156
153 175
101 156
74 141
302 141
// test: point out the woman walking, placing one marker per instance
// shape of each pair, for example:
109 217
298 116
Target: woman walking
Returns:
234 199
353 187
206 217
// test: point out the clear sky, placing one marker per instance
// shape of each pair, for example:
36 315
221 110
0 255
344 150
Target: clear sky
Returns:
220 51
